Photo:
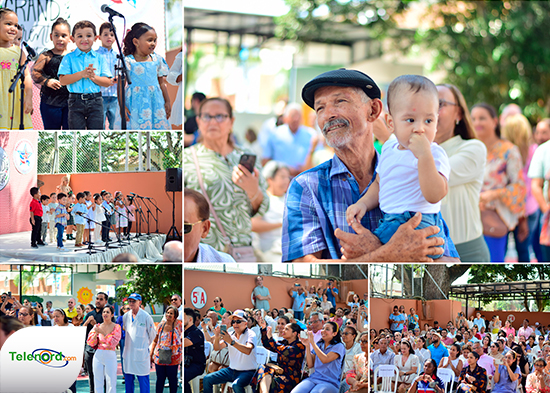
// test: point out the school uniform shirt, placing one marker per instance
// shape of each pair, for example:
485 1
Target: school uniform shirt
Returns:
140 333
45 213
79 208
36 208
109 55
77 61
99 213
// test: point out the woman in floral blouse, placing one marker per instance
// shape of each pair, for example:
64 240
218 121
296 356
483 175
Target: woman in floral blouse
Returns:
503 187
290 350
105 337
356 378
169 335
473 377
235 193
538 381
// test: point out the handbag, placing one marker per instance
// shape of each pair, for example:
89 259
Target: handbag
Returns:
165 355
239 254
493 226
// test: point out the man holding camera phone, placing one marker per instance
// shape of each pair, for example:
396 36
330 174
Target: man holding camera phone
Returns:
242 355
299 296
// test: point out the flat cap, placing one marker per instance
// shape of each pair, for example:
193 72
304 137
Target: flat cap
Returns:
340 77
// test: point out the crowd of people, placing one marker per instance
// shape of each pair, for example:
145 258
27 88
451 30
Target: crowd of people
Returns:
480 353
281 350
133 331
476 179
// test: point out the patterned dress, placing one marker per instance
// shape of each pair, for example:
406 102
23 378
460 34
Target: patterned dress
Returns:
229 200
480 375
503 172
144 97
534 385
164 341
290 359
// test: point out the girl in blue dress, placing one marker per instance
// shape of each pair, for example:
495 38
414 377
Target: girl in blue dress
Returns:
147 102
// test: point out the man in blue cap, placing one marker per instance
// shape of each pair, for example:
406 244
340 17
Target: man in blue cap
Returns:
140 333
347 102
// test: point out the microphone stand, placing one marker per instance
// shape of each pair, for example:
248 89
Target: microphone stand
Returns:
20 75
157 211
146 218
138 220
107 241
91 249
122 77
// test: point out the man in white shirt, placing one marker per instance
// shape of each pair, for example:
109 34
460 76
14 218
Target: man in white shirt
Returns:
242 355
140 332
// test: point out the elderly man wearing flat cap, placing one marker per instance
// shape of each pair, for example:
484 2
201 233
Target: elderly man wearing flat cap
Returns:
242 355
347 103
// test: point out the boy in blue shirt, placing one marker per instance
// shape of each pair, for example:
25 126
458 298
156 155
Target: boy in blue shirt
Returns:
79 219
61 217
77 71
110 101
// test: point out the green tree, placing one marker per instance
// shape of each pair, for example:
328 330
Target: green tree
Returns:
513 273
155 283
431 274
493 51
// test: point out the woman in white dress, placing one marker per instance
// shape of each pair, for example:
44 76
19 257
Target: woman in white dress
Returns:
453 361
407 365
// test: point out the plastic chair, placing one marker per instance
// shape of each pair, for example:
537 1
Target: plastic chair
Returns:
196 382
446 375
388 372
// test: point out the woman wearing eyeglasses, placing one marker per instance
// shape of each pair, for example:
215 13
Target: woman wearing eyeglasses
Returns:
218 306
538 381
236 193
352 348
467 155
26 316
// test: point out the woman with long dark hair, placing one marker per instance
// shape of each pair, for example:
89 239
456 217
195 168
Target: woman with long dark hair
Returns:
428 381
327 359
507 374
218 306
290 355
472 376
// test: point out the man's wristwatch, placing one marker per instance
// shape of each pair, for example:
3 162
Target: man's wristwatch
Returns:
232 342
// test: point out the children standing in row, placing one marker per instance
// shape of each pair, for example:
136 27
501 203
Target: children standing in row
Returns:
54 107
78 72
10 58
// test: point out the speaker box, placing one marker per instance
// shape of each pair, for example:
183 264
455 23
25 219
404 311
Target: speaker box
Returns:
174 180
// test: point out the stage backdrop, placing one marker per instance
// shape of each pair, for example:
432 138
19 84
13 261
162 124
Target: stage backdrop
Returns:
37 17
17 175
149 184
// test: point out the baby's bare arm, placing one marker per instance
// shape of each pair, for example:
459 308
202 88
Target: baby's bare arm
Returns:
367 202
432 183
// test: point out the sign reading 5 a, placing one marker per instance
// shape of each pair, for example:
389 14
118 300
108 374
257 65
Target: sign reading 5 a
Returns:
198 297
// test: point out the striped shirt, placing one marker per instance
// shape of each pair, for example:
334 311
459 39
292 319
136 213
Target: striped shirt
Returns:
316 205
60 209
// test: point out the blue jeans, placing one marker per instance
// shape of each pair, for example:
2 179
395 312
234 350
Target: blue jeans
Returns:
497 247
240 379
522 248
144 384
189 373
54 117
60 229
298 315
110 109
391 222
309 386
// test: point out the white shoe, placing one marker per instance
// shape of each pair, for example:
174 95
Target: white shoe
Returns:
63 249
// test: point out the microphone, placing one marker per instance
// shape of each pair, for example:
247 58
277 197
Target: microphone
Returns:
79 213
30 51
132 193
110 11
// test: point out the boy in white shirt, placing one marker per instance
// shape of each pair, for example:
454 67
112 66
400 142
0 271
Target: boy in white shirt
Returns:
44 199
413 170
51 223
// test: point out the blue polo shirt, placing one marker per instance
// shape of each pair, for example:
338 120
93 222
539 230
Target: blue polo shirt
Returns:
439 352
77 61
79 208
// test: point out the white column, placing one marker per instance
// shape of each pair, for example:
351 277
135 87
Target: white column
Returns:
140 152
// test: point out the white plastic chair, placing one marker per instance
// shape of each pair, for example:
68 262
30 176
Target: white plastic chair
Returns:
447 376
195 382
387 372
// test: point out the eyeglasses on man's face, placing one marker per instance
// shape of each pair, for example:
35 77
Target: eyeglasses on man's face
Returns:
188 227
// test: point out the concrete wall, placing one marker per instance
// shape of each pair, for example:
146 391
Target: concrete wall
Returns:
235 289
